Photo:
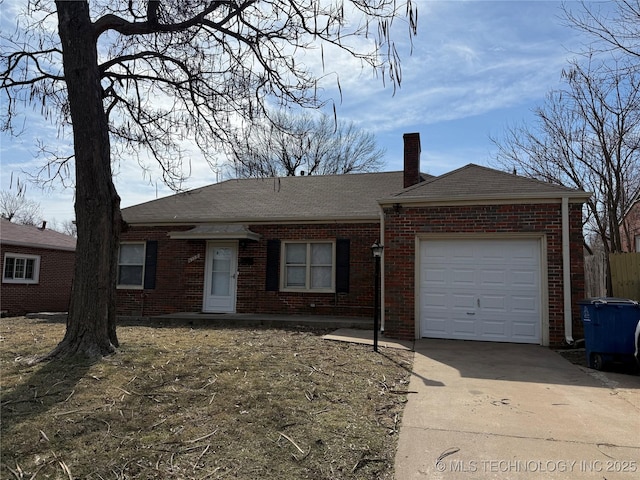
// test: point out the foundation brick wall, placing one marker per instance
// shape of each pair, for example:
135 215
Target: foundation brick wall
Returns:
404 224
53 290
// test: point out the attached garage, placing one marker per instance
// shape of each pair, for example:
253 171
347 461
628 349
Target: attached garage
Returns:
487 289
481 254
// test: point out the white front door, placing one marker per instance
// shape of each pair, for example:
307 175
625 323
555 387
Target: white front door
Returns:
221 276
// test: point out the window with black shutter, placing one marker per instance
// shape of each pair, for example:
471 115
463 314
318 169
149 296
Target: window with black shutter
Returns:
137 263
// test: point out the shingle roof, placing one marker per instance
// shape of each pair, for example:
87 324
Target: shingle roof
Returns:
30 236
301 198
353 197
474 182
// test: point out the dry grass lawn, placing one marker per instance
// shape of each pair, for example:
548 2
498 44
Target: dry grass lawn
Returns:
200 402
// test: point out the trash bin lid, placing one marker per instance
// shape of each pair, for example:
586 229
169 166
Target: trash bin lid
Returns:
607 300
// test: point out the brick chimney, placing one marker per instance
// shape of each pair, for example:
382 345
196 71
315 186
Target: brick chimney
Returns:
411 159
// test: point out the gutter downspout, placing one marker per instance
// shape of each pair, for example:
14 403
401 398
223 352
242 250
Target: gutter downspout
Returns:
566 273
382 271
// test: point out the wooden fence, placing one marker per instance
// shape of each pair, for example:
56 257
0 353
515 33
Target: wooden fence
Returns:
625 275
595 275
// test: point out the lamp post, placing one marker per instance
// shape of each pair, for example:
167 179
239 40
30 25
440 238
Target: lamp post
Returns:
376 249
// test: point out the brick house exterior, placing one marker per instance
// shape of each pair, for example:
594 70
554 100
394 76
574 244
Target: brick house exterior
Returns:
471 221
257 218
45 285
181 269
301 245
630 228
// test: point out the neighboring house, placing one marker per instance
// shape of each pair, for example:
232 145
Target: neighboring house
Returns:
37 269
630 228
475 254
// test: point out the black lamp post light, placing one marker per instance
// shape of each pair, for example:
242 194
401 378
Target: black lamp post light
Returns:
376 249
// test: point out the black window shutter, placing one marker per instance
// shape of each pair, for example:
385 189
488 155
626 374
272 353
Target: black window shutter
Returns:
342 265
273 264
150 262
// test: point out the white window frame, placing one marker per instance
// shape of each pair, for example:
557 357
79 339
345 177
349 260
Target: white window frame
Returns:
21 256
307 287
144 256
637 243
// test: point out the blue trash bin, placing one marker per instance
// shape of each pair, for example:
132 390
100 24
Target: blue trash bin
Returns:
609 329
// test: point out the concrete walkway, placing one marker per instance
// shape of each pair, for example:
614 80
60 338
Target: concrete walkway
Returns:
505 411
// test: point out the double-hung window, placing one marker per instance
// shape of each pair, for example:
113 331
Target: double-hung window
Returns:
131 265
309 266
20 268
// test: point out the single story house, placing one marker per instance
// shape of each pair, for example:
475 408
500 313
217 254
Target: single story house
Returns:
474 254
37 269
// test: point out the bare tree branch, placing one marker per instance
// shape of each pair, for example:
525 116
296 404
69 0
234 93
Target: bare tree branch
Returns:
588 137
141 79
17 208
617 30
292 145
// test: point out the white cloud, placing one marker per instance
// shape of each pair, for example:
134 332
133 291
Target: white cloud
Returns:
469 58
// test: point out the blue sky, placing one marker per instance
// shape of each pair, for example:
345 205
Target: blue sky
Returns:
477 67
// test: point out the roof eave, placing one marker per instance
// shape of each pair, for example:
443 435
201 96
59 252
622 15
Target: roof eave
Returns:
574 197
37 245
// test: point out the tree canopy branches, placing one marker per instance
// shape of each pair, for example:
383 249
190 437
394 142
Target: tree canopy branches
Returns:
618 31
172 70
302 145
16 208
586 136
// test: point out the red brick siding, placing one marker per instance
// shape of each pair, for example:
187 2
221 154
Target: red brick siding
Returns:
576 247
630 228
402 227
53 290
179 275
180 283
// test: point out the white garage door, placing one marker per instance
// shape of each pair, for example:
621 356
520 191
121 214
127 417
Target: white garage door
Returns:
480 290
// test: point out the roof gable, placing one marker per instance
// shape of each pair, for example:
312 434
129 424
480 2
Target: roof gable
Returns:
30 236
475 182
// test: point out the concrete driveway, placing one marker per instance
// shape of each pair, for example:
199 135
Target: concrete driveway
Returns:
504 411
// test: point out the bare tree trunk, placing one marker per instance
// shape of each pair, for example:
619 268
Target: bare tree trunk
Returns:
91 326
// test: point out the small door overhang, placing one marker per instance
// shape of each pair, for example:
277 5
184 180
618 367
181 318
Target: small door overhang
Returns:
222 231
